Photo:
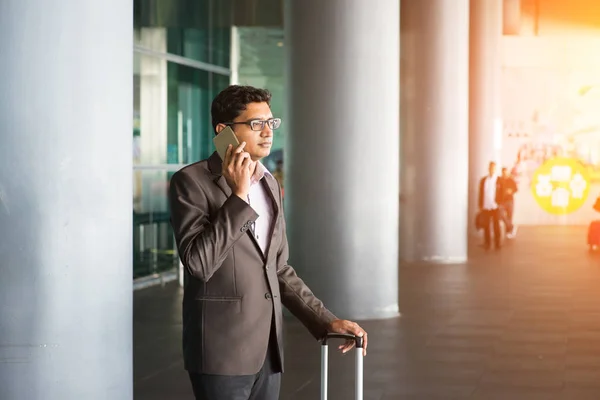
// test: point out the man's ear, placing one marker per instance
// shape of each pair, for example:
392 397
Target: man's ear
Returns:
219 128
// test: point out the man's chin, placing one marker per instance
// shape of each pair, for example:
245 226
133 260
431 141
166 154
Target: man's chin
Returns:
262 153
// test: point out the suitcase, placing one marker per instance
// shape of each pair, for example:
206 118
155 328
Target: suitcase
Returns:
594 235
358 341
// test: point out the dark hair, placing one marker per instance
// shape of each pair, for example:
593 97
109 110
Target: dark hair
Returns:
232 101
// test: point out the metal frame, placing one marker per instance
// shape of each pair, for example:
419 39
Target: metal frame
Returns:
182 60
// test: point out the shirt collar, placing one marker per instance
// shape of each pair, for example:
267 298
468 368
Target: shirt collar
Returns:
260 172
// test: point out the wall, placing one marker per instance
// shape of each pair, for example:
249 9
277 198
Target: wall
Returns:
551 98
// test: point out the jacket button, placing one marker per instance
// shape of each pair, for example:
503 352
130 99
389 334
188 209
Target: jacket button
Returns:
268 296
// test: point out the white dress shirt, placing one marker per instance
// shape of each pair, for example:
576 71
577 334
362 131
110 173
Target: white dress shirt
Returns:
489 193
261 202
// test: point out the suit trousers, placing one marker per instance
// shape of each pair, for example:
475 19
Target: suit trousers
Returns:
264 385
509 207
491 217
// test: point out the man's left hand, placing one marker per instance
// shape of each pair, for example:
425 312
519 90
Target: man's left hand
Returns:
349 327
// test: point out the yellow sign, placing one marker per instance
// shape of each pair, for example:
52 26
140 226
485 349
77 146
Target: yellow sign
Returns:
561 185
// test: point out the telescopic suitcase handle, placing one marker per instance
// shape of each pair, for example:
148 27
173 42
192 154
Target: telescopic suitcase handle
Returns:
359 342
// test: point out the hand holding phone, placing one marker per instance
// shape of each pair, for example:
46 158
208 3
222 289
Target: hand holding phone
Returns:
237 164
237 170
223 139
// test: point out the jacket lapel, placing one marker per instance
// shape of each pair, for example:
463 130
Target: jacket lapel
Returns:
273 191
216 167
274 194
222 184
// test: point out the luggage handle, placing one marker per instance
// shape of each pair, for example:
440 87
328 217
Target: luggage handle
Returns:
359 342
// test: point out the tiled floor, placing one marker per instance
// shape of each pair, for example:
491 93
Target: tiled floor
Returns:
522 323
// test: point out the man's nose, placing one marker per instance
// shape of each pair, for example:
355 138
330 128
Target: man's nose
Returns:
267 132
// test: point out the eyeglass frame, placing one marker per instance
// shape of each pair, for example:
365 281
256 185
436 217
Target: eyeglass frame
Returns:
249 123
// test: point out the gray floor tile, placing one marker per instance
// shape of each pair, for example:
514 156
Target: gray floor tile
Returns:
523 323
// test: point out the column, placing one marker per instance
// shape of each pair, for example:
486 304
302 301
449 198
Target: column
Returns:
485 123
65 199
341 159
434 130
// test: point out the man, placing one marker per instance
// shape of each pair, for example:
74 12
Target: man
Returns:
228 221
509 187
490 196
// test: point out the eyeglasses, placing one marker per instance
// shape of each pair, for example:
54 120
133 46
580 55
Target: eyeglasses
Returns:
258 124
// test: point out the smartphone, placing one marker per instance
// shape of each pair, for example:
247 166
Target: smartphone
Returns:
224 139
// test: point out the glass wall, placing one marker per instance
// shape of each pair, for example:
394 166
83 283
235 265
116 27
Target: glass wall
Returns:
259 61
181 61
199 30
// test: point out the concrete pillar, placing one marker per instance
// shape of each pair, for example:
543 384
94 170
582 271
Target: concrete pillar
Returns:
434 130
341 160
65 199
485 120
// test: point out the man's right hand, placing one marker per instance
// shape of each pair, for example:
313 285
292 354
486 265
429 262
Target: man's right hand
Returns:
237 170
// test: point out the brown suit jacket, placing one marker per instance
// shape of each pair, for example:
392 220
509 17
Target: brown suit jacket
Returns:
232 290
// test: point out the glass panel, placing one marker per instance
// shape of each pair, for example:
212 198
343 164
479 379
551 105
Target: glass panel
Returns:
189 114
171 111
171 126
154 248
219 82
221 23
261 64
196 29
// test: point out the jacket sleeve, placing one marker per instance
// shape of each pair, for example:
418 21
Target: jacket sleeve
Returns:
204 239
513 185
297 297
